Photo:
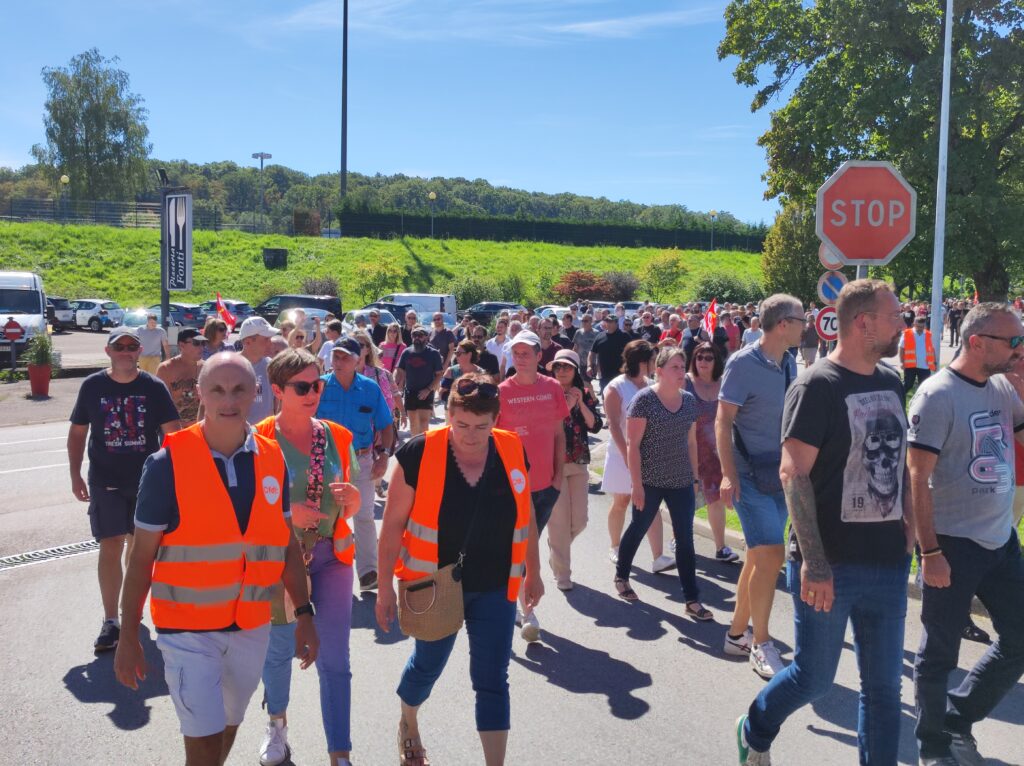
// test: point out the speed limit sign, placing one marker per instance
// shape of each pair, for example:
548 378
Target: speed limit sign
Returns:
827 324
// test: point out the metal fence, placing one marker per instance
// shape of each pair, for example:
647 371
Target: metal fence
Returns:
129 215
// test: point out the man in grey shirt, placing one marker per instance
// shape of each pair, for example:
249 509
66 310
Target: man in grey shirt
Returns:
255 336
961 461
749 418
154 343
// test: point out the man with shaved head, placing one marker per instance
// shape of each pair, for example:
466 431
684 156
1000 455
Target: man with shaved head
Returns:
213 538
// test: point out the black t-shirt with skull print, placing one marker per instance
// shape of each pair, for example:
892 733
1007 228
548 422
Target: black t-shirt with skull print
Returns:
859 426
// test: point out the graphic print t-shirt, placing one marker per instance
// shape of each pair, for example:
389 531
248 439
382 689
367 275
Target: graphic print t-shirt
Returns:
970 426
124 422
859 427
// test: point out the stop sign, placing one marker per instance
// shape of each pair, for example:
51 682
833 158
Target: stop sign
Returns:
866 213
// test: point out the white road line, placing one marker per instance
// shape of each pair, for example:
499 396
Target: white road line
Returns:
33 441
39 467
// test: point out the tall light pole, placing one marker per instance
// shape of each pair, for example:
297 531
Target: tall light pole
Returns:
64 181
344 100
714 217
433 198
938 255
261 156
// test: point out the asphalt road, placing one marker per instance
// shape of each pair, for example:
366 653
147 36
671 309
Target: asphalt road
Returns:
609 681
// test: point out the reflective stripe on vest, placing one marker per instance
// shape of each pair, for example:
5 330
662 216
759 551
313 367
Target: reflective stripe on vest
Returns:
419 553
344 542
910 349
207 575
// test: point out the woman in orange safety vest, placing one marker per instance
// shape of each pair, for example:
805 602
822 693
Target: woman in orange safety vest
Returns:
318 456
462 488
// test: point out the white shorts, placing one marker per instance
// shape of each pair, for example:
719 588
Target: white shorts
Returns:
212 676
616 479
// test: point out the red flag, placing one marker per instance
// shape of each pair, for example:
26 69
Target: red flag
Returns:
975 294
710 321
223 313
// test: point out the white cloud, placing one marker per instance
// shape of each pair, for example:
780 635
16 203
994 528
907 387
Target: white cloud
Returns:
633 26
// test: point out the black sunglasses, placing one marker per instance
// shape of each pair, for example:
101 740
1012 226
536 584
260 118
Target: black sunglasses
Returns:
465 387
126 346
705 357
1014 340
303 387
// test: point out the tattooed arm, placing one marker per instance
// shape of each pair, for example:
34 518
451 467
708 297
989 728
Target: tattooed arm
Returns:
816 587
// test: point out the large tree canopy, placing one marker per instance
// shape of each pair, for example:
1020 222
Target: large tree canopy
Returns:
95 129
863 79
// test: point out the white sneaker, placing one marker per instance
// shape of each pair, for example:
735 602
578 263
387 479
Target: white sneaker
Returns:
739 647
613 554
531 627
274 748
663 563
765 659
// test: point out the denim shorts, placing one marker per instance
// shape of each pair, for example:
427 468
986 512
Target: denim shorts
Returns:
763 517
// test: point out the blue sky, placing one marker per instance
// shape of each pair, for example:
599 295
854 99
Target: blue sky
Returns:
618 98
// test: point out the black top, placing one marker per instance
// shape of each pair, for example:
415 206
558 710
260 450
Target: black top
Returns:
608 350
379 333
125 421
650 333
488 362
489 551
858 424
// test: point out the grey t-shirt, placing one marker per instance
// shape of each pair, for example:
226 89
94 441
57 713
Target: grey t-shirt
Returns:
970 426
152 340
757 385
263 404
582 342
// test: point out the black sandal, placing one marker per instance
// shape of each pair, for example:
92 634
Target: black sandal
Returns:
625 592
700 613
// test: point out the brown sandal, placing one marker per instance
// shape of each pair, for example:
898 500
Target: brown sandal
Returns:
412 753
625 592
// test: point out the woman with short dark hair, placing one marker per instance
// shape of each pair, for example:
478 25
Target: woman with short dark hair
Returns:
461 493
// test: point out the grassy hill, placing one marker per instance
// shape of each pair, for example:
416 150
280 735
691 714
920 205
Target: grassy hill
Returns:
123 264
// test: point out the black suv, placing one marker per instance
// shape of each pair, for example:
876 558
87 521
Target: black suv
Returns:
272 307
484 313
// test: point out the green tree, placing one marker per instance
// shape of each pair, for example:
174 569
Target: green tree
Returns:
790 261
862 81
725 287
376 278
662 274
95 128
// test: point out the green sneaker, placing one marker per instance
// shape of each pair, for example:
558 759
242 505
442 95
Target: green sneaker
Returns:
741 740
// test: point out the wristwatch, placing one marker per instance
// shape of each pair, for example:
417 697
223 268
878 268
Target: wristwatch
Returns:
306 608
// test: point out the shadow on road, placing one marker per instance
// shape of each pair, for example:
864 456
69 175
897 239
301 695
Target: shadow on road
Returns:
580 670
95 683
364 617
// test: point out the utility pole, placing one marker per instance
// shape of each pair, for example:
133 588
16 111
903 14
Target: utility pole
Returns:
344 100
261 156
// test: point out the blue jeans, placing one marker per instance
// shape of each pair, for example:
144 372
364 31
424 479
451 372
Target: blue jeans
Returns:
680 510
490 621
543 503
873 598
332 599
997 577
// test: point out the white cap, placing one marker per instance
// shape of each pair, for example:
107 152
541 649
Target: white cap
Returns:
257 326
525 336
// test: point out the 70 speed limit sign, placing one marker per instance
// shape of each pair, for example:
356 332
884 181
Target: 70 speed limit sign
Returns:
827 324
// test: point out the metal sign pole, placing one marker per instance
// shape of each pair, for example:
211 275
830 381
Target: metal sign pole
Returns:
938 255
165 244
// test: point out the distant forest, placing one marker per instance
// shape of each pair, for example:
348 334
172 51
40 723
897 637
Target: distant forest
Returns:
231 191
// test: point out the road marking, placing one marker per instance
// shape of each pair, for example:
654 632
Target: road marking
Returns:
48 554
39 467
33 441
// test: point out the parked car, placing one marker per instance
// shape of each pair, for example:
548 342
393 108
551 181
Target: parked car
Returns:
425 303
398 310
348 323
184 314
311 311
22 299
97 313
59 313
484 313
632 307
546 311
240 310
272 307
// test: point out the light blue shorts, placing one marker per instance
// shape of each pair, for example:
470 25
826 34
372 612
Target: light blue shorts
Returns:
763 517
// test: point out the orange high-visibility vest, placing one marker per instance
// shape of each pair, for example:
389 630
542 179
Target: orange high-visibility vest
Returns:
910 349
207 574
344 543
418 556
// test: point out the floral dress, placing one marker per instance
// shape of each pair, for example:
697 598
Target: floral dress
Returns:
709 469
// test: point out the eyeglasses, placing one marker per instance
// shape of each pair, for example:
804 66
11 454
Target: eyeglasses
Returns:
562 366
1014 340
303 387
465 387
125 346
705 357
803 320
189 342
890 314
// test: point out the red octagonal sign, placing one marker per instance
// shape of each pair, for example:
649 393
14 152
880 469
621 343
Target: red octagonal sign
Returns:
867 213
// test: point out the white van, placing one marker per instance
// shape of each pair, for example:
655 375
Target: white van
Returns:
424 303
22 299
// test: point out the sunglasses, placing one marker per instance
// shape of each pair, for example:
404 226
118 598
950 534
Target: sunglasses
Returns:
705 357
126 346
419 335
303 387
465 387
1014 340
190 342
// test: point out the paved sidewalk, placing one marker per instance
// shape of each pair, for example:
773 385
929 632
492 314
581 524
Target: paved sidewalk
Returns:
18 408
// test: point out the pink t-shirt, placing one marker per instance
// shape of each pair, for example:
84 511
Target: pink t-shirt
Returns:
534 412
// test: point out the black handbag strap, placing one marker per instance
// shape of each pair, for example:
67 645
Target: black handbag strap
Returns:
737 439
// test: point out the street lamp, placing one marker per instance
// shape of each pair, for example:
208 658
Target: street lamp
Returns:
64 181
433 198
261 156
714 217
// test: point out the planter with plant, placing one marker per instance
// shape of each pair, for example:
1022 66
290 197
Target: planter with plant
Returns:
39 356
